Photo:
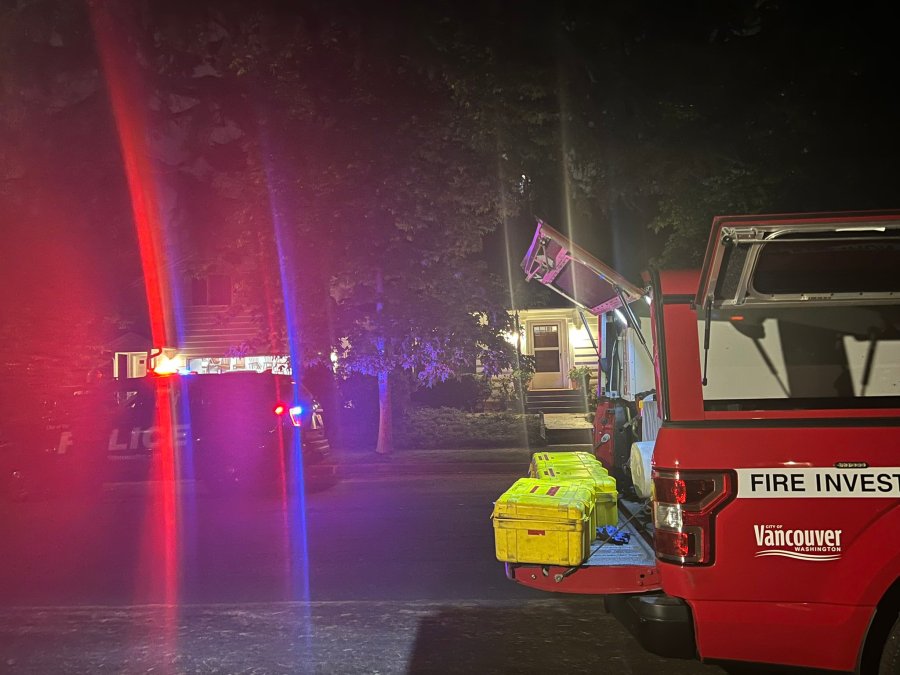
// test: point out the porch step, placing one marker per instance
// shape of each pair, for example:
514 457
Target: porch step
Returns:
569 437
556 401
567 429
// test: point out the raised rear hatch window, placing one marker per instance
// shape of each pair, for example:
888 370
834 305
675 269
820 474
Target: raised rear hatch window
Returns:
754 261
801 312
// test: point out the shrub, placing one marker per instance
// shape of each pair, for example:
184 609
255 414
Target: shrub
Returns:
467 392
510 386
582 377
452 428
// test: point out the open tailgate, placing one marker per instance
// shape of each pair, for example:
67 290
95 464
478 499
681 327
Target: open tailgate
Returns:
575 274
807 259
610 569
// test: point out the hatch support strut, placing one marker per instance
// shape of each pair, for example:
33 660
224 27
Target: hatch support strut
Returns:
633 322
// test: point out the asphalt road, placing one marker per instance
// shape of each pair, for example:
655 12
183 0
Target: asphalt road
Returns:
386 571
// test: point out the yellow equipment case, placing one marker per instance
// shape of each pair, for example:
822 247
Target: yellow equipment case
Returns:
605 495
539 521
540 460
602 499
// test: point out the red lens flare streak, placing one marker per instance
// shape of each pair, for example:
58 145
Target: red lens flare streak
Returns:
158 582
127 102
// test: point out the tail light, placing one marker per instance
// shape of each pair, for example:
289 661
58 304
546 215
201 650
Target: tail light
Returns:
684 509
296 413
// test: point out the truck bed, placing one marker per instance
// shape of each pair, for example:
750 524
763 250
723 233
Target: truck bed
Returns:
609 569
638 551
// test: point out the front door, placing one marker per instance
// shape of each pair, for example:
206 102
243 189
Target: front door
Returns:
548 346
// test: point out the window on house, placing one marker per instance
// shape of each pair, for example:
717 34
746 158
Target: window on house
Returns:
213 289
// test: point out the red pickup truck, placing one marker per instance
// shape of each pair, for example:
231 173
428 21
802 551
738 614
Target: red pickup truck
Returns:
772 532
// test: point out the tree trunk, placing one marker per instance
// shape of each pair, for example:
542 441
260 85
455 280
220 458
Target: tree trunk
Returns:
385 445
521 395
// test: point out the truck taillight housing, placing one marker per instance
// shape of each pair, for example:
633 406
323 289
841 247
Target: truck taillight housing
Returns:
685 504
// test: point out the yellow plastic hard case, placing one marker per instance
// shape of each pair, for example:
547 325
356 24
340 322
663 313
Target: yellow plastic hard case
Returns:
542 522
540 460
604 493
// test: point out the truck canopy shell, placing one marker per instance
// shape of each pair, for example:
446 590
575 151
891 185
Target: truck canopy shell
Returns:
807 259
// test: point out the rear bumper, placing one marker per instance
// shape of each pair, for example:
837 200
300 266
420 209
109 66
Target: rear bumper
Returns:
662 624
315 445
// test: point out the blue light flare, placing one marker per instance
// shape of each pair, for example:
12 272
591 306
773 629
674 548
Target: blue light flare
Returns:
294 480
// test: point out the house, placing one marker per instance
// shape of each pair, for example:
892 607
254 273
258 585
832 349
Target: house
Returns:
210 331
560 339
129 355
217 334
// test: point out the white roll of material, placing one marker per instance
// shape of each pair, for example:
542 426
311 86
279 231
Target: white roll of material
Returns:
641 457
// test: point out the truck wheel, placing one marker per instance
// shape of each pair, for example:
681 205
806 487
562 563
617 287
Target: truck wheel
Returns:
890 657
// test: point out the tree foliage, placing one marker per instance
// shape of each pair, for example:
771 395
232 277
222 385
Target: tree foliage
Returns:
635 119
301 152
351 165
